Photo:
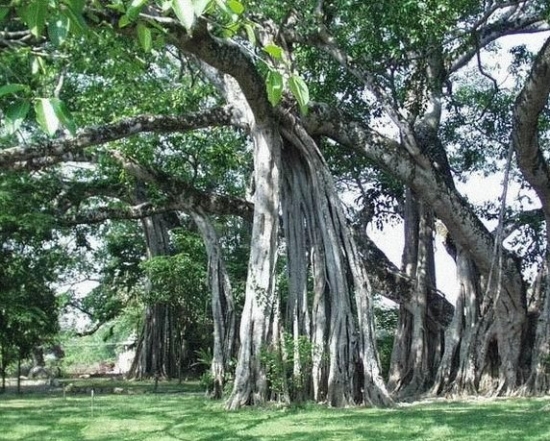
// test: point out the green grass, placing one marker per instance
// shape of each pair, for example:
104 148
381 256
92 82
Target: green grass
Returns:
176 414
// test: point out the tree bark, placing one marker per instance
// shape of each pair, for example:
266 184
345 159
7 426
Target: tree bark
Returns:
160 351
250 377
528 107
353 365
507 296
538 382
457 371
296 213
223 312
417 346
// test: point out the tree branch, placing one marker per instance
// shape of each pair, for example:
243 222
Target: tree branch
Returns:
449 206
65 147
188 197
528 106
485 35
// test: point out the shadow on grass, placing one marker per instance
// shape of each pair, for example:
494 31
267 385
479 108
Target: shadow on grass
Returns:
182 414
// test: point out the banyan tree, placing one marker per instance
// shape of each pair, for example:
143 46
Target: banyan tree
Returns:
408 90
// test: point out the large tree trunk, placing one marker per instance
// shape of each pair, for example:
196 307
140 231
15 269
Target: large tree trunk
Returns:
417 346
457 371
538 382
160 351
533 163
223 313
353 365
250 377
483 343
297 319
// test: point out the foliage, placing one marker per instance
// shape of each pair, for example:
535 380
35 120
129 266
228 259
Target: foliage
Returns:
180 278
85 353
386 324
29 265
287 365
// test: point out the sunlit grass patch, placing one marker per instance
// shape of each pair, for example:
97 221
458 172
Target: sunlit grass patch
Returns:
180 413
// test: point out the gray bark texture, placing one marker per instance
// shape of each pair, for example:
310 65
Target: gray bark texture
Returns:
160 351
250 385
353 365
417 346
223 311
528 107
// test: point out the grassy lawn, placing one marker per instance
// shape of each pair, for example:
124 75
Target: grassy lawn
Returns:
183 414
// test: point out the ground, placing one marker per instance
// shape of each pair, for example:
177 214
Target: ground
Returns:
181 412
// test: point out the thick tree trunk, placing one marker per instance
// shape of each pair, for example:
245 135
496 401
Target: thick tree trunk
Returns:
353 365
160 351
250 377
483 343
538 382
533 163
294 190
308 209
417 346
223 313
457 371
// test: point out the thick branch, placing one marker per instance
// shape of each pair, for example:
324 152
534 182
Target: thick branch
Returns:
455 212
65 147
528 107
187 196
230 59
101 214
481 37
388 281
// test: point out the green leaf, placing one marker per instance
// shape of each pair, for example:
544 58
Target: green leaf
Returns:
11 88
144 37
38 65
199 6
46 115
134 9
76 5
275 85
250 34
274 50
58 29
123 21
15 115
4 12
236 6
63 114
299 89
35 16
185 12
73 12
230 30
51 112
223 6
